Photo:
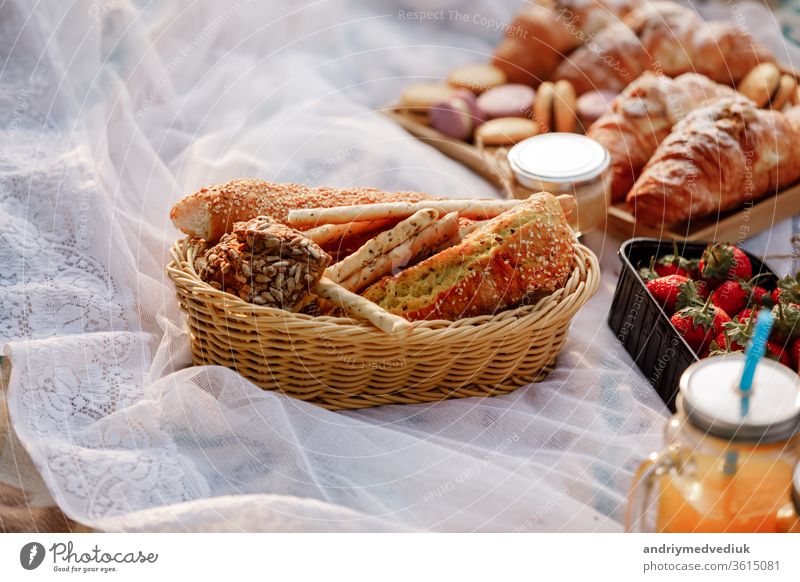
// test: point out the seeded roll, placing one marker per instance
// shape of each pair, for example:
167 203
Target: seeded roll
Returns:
266 263
524 252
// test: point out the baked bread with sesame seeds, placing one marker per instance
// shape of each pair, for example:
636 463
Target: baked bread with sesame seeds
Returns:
524 252
212 211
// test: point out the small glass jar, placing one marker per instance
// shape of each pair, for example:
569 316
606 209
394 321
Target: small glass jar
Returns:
789 514
566 163
722 472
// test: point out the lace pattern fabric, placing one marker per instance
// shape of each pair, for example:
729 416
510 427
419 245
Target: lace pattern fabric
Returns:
107 116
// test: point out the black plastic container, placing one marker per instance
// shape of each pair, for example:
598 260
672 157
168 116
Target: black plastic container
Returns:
644 328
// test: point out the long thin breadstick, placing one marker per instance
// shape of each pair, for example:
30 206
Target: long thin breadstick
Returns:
474 209
381 244
478 209
332 233
359 308
426 242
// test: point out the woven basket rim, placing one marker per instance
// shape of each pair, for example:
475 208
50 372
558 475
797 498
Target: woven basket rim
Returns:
182 272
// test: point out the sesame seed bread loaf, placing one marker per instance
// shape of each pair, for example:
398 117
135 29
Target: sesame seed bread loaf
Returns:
211 212
524 252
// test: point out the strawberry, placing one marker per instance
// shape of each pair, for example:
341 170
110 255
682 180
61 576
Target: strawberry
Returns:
787 322
738 333
693 293
746 314
649 273
665 290
777 353
673 264
699 324
760 296
788 290
730 296
795 354
724 261
775 296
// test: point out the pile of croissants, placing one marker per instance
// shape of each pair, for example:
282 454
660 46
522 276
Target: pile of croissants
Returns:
684 144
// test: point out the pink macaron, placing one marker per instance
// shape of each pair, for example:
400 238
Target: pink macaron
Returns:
458 116
511 100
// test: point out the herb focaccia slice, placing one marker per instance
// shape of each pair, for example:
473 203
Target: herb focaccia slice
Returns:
526 251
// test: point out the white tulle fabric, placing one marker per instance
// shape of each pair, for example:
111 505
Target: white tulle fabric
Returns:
110 111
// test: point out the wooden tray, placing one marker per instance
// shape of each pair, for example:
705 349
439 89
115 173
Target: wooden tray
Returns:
730 226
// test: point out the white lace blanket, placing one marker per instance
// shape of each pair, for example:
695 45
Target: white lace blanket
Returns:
108 114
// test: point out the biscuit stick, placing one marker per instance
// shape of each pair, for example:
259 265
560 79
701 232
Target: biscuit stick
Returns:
382 244
474 209
423 244
359 308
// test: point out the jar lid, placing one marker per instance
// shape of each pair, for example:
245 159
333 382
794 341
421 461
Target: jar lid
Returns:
559 158
711 399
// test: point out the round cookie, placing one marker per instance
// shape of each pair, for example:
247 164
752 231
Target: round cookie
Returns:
564 107
423 96
592 105
458 116
505 131
477 78
760 83
511 100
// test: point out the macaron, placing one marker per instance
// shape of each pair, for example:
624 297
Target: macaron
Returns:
510 100
458 116
505 131
421 97
477 77
564 107
593 105
760 84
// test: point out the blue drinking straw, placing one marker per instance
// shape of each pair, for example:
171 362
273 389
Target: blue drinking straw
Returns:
756 348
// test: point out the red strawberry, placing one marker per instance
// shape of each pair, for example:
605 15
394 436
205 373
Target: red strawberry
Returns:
693 293
724 261
760 296
665 290
730 296
700 324
788 290
795 353
787 322
746 314
673 264
777 353
775 296
649 273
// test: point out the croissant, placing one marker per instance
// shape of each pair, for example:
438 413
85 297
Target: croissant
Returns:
663 37
643 115
717 158
542 33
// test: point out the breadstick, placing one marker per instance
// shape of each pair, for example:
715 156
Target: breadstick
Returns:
359 308
333 233
474 209
381 244
477 209
423 244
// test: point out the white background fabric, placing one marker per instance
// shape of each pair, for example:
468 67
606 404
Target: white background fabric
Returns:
110 111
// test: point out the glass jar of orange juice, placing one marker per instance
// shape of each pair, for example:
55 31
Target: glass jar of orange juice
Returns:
722 471
789 515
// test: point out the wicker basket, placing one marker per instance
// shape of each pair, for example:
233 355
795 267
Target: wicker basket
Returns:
339 363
